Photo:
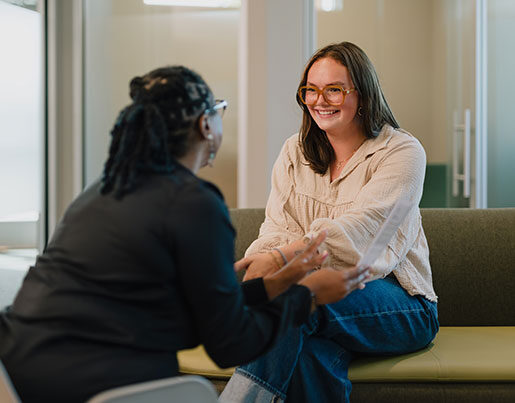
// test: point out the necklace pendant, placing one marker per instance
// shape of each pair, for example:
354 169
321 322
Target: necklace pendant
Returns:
341 164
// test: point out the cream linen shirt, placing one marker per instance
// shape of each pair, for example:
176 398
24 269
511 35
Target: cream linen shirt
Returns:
353 207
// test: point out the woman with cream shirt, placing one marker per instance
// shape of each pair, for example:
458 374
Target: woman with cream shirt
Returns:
343 173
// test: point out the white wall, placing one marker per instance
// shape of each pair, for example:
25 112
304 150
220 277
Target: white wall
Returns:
275 43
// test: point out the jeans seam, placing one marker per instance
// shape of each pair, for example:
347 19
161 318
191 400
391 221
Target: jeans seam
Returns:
261 383
299 351
338 359
372 314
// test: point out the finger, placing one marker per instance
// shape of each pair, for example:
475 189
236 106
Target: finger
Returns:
355 271
310 260
242 264
315 243
318 259
358 282
311 250
351 273
361 278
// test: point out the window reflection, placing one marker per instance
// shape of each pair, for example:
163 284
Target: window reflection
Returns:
21 124
21 133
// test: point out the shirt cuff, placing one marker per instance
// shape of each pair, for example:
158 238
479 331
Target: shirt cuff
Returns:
254 291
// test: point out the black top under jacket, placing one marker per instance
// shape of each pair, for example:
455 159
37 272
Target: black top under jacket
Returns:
125 283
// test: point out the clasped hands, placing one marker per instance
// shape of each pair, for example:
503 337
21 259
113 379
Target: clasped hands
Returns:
328 285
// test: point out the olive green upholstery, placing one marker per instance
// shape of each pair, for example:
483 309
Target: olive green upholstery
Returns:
472 359
447 359
472 254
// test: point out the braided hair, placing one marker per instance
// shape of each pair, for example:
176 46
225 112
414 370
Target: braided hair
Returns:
155 129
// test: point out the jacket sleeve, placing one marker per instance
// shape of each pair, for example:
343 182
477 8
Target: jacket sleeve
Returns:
202 241
398 173
254 291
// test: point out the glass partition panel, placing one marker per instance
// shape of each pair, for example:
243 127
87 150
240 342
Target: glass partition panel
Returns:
125 38
21 134
423 52
501 119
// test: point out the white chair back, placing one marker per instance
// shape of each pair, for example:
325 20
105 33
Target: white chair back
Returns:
7 392
183 389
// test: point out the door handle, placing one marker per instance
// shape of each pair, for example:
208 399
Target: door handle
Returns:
459 129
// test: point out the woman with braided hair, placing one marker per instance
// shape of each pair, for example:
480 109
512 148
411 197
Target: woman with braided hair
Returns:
141 264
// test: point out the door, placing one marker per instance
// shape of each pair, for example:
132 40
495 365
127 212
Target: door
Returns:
481 84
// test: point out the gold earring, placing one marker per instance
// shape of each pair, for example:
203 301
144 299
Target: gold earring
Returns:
212 154
360 111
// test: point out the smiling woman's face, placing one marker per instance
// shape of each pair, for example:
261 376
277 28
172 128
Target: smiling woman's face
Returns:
333 119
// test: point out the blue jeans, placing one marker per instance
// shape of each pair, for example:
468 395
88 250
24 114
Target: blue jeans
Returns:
310 363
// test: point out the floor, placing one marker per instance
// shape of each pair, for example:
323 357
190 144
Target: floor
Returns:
14 264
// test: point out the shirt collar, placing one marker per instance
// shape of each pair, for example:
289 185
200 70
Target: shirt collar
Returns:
369 147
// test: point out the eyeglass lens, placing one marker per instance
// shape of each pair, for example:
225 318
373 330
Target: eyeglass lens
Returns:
332 95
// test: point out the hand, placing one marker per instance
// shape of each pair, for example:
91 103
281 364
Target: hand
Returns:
279 281
330 285
293 249
242 264
262 264
258 265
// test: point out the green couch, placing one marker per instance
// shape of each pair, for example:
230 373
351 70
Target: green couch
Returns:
472 359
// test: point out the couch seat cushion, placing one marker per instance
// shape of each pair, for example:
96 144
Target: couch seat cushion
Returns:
458 354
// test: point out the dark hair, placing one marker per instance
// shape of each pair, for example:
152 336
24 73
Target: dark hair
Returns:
155 129
374 110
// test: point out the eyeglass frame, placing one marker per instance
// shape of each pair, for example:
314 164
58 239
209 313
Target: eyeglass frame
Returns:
219 104
321 92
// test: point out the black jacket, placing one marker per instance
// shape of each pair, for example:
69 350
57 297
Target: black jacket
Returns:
124 284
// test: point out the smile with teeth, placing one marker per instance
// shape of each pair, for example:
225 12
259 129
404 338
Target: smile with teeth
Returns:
326 112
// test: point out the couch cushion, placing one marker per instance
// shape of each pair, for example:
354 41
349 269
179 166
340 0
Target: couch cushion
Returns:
458 354
197 362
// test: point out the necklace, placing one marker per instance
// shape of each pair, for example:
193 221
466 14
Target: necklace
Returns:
340 164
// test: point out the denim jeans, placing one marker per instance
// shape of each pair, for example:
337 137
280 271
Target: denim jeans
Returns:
310 363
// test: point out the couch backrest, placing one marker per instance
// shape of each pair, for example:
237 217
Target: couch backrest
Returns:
472 254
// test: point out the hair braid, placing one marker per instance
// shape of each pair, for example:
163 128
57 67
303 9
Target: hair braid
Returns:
156 128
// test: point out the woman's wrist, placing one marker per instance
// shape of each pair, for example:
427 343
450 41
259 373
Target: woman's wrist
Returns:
277 258
310 287
276 284
282 279
293 249
283 256
310 283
